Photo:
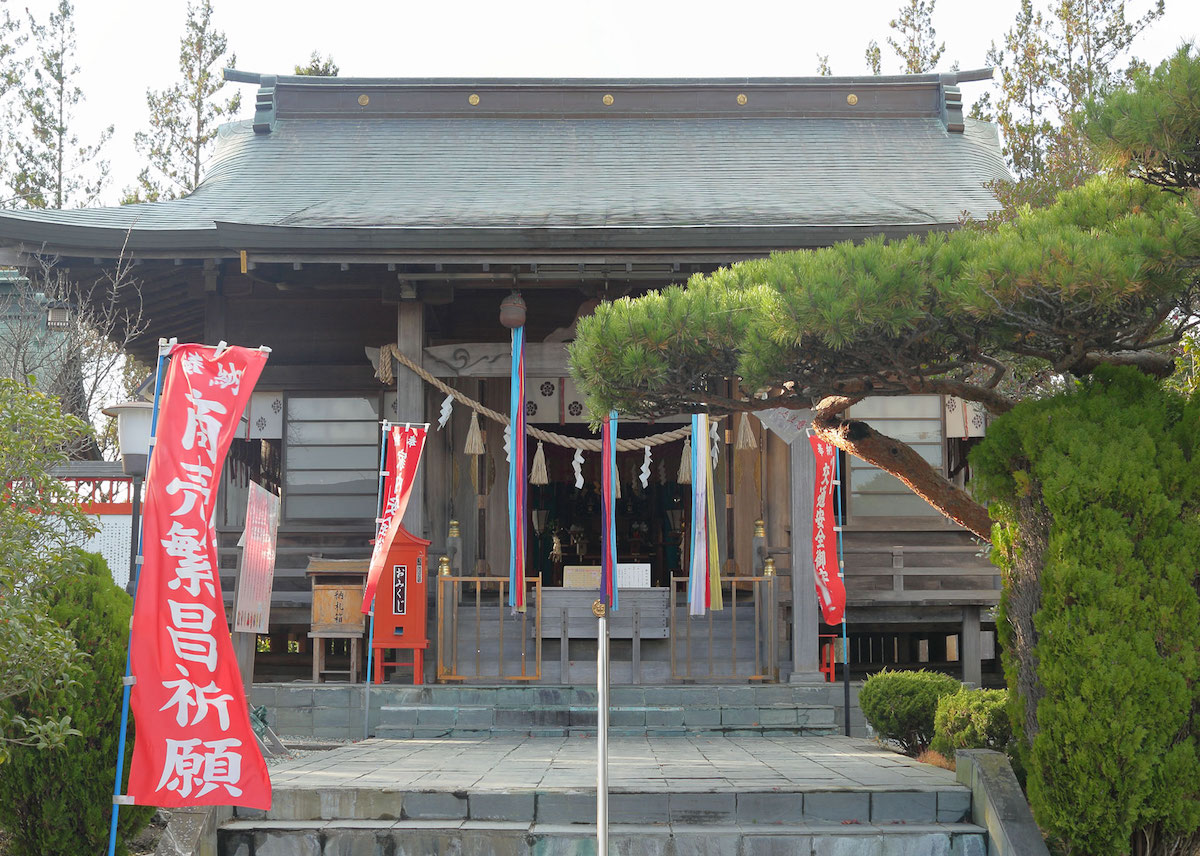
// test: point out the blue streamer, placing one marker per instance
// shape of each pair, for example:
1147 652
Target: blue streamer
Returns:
514 406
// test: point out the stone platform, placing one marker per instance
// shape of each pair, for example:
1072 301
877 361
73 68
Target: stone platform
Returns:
698 794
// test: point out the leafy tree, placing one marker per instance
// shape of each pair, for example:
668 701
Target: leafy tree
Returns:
40 526
823 69
53 170
917 45
61 802
70 336
184 119
873 57
319 66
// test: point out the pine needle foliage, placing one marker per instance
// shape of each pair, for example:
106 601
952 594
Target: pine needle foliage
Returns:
52 168
1099 489
184 119
1097 273
917 46
1152 129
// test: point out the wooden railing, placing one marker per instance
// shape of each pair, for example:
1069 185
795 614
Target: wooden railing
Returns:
920 575
489 615
706 648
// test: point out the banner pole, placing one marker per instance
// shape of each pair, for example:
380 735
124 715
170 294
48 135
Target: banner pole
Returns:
601 729
163 349
371 630
841 522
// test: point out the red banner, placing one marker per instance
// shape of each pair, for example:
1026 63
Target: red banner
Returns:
831 591
194 742
404 454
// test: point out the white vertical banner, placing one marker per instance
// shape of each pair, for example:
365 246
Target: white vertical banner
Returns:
252 610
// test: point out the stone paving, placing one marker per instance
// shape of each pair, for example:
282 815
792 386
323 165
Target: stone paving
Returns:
698 795
699 763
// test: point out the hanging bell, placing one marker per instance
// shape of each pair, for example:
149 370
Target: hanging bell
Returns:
512 311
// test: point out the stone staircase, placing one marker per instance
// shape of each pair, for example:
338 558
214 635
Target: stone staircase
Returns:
571 711
536 797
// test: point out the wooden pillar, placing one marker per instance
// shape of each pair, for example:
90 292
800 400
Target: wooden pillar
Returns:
495 479
439 457
970 649
776 504
806 618
463 486
410 401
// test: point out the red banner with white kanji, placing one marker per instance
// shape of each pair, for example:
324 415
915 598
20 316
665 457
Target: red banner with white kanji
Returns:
194 743
405 445
831 591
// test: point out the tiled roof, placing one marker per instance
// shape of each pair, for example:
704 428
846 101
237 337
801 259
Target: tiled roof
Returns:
535 172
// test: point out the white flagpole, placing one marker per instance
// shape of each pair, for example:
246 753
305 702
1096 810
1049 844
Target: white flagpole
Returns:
602 729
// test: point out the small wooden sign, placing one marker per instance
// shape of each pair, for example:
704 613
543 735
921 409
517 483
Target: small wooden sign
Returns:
629 575
581 576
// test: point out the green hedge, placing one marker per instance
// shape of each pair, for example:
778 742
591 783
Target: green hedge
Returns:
972 719
60 801
900 706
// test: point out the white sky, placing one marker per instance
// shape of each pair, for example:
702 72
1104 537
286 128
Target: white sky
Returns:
127 46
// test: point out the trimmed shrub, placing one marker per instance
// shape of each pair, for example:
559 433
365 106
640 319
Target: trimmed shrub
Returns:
60 800
1095 494
900 706
972 719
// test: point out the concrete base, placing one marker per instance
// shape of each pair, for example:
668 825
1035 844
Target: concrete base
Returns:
998 803
192 831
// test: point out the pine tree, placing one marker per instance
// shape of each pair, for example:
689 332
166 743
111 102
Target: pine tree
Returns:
1021 107
53 170
184 119
12 37
1087 38
917 46
319 66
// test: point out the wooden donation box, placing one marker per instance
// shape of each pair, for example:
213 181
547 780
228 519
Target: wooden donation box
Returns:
337 592
401 605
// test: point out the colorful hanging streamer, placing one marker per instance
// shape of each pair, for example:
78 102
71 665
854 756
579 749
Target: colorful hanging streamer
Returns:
517 488
608 527
704 580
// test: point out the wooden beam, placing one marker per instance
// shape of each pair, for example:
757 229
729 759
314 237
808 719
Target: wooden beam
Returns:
410 400
494 359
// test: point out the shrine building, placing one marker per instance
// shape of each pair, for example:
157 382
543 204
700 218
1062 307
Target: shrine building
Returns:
354 218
